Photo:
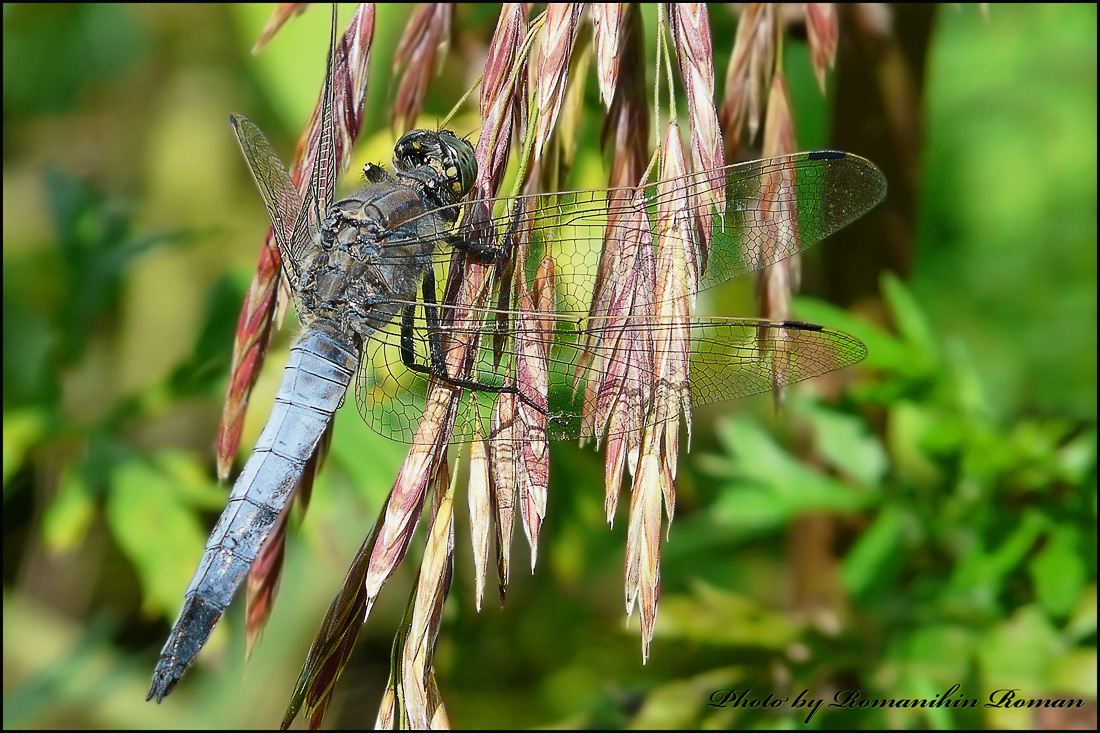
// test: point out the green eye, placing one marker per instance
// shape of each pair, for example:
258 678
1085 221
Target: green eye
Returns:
463 164
450 157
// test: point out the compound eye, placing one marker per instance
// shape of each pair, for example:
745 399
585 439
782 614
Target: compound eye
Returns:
414 149
450 158
460 163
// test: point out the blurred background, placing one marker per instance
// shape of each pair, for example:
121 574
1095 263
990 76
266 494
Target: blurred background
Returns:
927 519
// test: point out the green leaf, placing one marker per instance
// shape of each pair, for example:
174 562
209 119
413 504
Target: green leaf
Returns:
1082 622
712 615
772 486
910 424
1018 652
149 513
909 318
874 561
921 659
980 573
66 520
847 442
1058 571
22 429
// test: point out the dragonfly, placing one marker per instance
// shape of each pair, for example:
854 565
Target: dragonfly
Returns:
366 274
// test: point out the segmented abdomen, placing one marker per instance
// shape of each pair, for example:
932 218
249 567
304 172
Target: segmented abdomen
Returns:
315 379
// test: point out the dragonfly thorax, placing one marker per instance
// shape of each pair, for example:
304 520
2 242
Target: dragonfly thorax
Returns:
374 247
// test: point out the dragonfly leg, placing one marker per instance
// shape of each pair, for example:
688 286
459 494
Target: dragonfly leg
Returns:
501 252
431 315
408 352
471 242
487 252
437 366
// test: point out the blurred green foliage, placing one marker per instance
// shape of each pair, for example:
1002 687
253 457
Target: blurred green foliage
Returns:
957 477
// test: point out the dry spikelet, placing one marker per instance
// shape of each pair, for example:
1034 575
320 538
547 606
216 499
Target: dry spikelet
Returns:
749 74
561 149
502 85
530 459
626 127
406 499
670 395
691 38
505 68
675 285
552 68
527 470
643 544
434 581
282 13
503 470
607 20
626 131
506 458
351 66
386 708
419 54
625 387
615 460
618 387
533 377
411 698
480 499
776 283
531 371
823 30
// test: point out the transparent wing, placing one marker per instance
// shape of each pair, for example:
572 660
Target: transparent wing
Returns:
751 215
579 365
570 359
281 198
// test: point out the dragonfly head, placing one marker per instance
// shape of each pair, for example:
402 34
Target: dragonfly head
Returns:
450 158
